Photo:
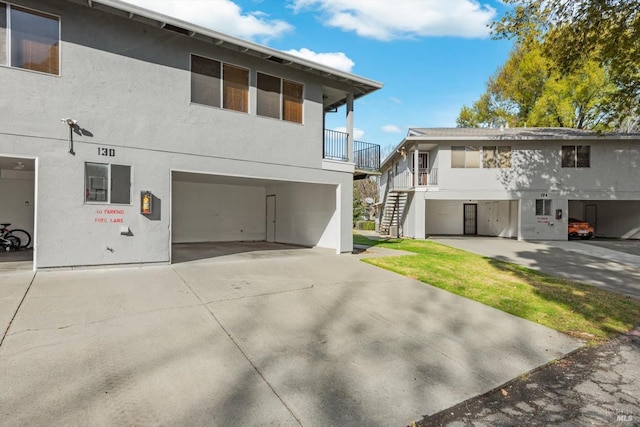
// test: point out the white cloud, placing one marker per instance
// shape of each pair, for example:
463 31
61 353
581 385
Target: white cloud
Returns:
357 133
337 60
395 100
400 19
220 15
391 129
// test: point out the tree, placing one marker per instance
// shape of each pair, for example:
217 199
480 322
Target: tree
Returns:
364 189
573 32
529 90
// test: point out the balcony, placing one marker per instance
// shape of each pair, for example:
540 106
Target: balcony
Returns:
406 181
366 156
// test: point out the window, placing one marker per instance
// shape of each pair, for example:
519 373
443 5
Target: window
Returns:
205 81
105 183
29 39
543 207
279 98
219 85
576 156
292 101
465 157
268 96
496 157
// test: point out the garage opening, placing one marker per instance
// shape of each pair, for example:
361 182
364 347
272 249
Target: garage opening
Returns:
17 207
616 219
209 208
497 218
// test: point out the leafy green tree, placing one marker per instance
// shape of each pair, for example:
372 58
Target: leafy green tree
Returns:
529 90
575 32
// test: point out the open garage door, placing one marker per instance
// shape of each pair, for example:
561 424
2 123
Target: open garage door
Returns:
618 219
17 206
215 208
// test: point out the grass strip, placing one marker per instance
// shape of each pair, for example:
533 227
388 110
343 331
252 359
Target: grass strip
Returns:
573 308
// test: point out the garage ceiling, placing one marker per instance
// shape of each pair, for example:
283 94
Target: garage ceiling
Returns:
222 179
13 163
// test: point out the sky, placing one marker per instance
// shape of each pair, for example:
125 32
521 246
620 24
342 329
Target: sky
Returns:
433 56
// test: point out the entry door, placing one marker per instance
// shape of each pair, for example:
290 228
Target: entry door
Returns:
271 218
470 219
591 215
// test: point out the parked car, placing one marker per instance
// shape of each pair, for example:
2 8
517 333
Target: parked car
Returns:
580 229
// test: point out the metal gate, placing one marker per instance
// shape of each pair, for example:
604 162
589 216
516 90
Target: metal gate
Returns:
470 219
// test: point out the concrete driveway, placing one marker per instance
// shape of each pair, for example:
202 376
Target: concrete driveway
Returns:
613 265
270 335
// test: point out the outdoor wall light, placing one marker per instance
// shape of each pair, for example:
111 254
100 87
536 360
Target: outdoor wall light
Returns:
72 124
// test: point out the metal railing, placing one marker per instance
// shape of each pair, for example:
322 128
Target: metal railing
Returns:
335 145
365 155
404 180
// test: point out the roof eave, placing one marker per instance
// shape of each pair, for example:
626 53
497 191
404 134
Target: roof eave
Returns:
365 85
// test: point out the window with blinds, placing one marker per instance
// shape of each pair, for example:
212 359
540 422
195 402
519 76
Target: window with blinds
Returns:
29 40
279 98
219 85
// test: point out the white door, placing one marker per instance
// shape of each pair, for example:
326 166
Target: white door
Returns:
271 218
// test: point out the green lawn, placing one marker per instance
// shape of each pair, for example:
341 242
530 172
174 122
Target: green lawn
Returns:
573 308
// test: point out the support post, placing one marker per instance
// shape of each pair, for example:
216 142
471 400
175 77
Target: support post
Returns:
350 127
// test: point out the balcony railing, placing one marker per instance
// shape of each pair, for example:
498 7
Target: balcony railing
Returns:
366 156
405 179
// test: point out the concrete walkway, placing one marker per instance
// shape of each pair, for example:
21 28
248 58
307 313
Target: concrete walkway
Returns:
267 336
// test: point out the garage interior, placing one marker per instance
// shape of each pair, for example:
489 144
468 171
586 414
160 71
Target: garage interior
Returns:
215 208
618 219
17 187
497 218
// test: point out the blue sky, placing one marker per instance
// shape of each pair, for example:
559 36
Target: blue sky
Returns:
433 56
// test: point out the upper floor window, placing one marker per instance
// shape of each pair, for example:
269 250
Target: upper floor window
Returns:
29 39
465 157
219 85
279 98
496 157
576 156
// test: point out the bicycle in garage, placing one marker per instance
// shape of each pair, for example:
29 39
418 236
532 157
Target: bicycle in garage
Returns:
13 240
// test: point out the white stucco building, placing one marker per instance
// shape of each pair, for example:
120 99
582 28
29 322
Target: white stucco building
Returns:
226 137
520 183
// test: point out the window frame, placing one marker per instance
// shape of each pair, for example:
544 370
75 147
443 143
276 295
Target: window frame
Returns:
574 160
224 86
282 98
466 161
498 159
7 50
545 206
109 189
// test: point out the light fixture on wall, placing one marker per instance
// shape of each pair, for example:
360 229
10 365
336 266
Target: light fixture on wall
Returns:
19 166
403 152
72 124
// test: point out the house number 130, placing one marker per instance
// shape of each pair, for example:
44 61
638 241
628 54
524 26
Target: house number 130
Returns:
109 152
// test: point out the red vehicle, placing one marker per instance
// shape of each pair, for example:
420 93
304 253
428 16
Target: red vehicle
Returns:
580 229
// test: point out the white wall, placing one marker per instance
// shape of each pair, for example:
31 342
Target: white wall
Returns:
306 214
17 199
444 217
203 212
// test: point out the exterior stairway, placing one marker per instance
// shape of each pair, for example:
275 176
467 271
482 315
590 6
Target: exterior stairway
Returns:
394 205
